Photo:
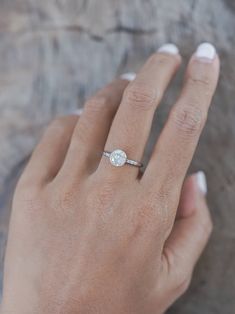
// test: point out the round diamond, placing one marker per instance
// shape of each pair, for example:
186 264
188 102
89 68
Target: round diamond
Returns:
118 158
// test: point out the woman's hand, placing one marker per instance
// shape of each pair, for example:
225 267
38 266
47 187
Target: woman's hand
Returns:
88 237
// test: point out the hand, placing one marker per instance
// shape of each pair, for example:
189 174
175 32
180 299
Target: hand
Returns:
88 237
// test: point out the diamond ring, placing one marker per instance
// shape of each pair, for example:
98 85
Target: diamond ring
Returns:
119 158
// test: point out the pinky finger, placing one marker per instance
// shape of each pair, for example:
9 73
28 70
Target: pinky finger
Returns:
49 154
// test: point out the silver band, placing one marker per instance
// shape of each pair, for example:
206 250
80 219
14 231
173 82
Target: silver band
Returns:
119 158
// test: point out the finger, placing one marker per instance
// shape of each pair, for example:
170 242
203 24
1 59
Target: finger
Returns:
49 154
191 230
177 142
132 123
189 191
91 132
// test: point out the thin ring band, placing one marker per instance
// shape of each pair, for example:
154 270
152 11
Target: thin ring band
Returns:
119 158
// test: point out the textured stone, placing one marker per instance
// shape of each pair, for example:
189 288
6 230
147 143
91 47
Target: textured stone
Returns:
54 54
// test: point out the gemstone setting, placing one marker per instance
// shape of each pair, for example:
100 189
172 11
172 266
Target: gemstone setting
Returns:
118 158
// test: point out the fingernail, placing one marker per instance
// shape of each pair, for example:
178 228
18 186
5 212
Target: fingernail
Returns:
201 182
130 76
78 112
169 48
206 52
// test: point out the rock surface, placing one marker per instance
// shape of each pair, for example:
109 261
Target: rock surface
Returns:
54 54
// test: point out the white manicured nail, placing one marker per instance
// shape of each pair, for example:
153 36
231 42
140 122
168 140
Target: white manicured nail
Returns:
206 51
201 182
169 48
128 76
78 111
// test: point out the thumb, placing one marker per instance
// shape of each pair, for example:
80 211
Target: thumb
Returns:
192 227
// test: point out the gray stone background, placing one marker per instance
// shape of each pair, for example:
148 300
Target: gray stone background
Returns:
54 54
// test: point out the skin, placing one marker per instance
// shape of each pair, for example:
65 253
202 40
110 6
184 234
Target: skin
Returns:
87 237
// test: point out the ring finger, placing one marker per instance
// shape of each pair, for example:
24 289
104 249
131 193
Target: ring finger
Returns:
133 120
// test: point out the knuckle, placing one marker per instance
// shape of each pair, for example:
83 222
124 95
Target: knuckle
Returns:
97 103
102 198
26 189
146 215
81 135
183 284
30 199
64 195
152 215
104 195
182 274
65 199
200 79
203 82
58 125
161 59
140 96
189 119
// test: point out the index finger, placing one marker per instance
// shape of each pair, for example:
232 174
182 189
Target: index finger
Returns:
178 140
